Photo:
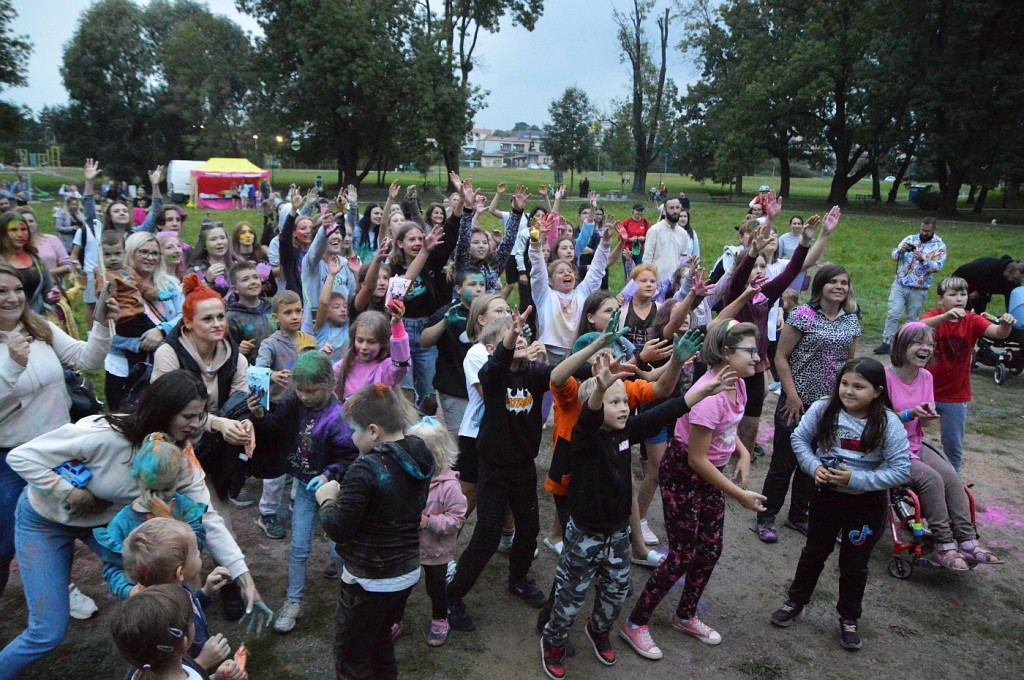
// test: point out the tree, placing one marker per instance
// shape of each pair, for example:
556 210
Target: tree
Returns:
569 139
14 53
618 140
344 97
652 93
456 29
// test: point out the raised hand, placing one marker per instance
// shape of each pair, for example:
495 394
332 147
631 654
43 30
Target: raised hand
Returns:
655 350
383 249
353 193
156 175
560 191
754 286
294 197
542 190
592 197
620 229
333 266
724 380
312 195
519 198
759 239
831 220
701 287
501 188
537 352
609 336
519 319
810 226
91 169
434 238
341 200
453 177
687 344
393 190
354 263
772 206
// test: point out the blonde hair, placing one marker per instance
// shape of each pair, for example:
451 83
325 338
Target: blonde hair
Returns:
439 440
155 550
494 331
477 308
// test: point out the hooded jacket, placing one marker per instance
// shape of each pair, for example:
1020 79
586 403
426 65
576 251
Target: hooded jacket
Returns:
250 323
445 512
376 518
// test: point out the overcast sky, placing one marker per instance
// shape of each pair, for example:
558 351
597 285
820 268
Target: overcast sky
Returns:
573 44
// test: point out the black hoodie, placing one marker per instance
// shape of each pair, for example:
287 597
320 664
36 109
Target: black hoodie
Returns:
376 519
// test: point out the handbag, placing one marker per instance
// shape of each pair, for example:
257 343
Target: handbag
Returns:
83 396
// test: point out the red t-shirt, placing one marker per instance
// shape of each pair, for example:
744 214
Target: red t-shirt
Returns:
951 364
636 228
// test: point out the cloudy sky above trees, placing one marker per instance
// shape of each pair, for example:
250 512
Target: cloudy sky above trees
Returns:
574 43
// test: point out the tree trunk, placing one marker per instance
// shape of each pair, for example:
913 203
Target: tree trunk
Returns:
640 180
739 185
784 173
1011 194
970 194
950 180
451 164
979 203
876 184
900 174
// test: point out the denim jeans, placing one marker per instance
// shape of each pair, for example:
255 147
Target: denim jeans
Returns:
273 492
952 423
45 552
902 299
424 362
304 520
11 485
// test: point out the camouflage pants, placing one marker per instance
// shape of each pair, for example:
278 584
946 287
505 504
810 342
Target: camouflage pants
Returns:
587 556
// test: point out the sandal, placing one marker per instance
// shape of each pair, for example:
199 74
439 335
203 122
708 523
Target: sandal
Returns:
972 552
950 559
652 561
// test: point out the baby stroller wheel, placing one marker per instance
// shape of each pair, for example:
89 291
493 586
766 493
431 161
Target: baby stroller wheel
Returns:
899 568
999 375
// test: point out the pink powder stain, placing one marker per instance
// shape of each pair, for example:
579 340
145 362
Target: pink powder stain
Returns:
1001 515
765 435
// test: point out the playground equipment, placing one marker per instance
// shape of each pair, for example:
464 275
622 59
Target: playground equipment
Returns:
50 158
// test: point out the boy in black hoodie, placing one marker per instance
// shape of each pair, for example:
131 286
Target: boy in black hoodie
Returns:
374 516
249 317
600 498
508 442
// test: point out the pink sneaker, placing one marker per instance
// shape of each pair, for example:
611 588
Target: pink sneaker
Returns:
698 629
640 640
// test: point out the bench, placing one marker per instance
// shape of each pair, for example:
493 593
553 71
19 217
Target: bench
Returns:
615 195
867 198
720 195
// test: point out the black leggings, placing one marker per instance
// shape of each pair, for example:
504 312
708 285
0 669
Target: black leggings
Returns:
755 395
437 589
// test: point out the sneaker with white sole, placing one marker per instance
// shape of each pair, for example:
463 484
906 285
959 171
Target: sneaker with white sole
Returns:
438 632
650 538
271 526
287 616
553 546
80 605
242 500
698 629
507 537
639 638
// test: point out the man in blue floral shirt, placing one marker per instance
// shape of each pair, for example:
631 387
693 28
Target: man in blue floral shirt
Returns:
919 257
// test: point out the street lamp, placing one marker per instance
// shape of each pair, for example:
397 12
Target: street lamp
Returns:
256 141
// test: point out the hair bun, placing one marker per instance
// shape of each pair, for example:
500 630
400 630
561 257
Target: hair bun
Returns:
190 283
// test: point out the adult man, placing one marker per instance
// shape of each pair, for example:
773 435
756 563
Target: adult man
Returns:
918 258
988 276
667 242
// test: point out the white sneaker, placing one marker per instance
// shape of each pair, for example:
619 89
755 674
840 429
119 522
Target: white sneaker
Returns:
650 538
80 605
505 545
286 617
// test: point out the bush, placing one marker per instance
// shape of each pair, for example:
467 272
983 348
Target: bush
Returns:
929 201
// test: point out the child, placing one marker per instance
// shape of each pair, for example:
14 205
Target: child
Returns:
250 319
855 448
330 328
308 432
162 553
156 467
442 520
377 353
279 351
152 632
129 290
944 503
375 516
559 300
600 501
507 444
641 309
474 245
956 332
693 489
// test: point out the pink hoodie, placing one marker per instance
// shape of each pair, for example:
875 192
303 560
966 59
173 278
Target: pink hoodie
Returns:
363 373
446 511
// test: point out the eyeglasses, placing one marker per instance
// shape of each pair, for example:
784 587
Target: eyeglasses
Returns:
148 253
751 350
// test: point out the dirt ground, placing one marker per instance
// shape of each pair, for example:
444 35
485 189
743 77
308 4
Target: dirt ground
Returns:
935 624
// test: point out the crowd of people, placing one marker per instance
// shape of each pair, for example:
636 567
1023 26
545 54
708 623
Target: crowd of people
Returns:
370 355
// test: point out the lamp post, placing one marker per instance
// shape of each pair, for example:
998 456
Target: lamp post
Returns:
256 142
277 156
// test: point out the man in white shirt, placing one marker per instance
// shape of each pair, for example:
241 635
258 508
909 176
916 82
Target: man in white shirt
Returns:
667 242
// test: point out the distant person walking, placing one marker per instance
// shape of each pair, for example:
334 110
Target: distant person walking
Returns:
919 257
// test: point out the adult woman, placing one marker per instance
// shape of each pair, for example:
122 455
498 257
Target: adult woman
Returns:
33 398
815 342
332 240
295 239
172 253
17 250
212 258
365 234
68 220
52 513
143 252
49 248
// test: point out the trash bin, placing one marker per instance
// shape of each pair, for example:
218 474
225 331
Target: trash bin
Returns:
915 191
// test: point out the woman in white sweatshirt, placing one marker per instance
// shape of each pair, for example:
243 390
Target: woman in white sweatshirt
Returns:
55 511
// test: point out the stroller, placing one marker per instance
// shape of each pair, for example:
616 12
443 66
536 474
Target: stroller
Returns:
911 541
1005 357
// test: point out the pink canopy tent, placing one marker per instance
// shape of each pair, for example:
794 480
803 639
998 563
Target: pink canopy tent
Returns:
212 181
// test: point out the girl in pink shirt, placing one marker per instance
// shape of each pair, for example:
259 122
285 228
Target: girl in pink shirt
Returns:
693 489
938 486
378 354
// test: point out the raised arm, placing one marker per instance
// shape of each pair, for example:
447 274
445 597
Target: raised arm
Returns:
90 171
149 224
562 372
493 207
365 292
512 226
